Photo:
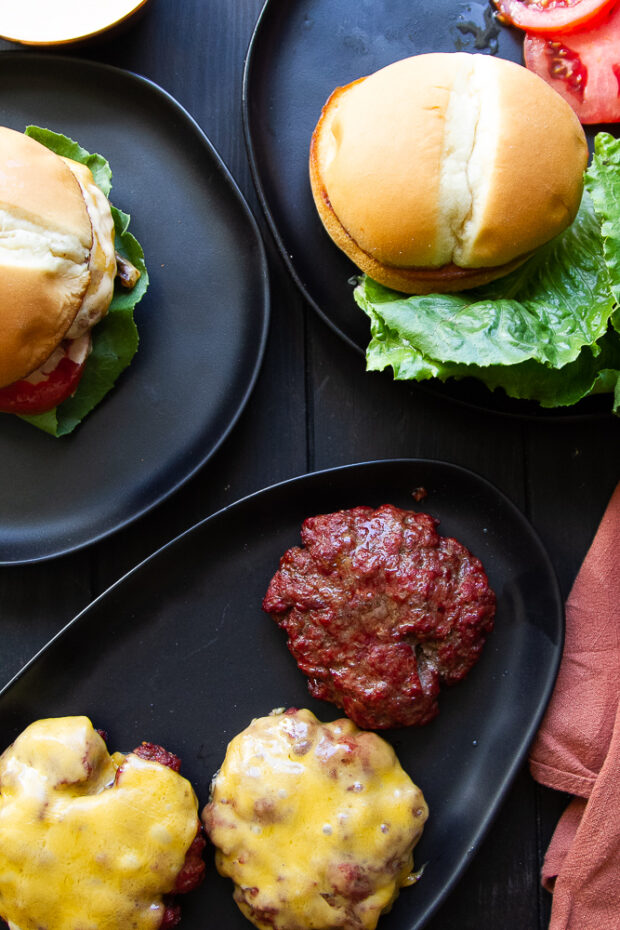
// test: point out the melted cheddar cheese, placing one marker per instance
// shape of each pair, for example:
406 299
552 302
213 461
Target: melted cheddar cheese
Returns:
88 841
315 823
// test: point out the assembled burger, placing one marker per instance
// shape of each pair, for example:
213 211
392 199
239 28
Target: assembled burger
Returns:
444 171
459 185
58 268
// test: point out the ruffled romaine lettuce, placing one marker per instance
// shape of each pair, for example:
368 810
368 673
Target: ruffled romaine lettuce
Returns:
548 331
115 338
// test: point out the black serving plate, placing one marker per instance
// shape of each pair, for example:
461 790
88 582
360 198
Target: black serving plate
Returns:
202 323
298 54
179 652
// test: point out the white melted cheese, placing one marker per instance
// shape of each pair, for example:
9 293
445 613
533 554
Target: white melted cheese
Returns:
102 259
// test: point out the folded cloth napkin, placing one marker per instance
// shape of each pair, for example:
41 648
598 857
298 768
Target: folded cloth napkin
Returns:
577 748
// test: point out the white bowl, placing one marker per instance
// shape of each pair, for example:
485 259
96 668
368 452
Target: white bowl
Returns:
56 22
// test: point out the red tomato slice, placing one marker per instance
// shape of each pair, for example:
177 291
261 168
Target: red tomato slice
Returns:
45 388
584 67
547 16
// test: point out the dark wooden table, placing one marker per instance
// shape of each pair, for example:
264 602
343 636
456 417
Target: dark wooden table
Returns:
314 407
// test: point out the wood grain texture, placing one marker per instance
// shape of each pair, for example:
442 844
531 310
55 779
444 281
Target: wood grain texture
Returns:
314 406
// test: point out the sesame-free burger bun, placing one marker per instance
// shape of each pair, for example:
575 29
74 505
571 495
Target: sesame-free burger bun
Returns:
443 171
46 238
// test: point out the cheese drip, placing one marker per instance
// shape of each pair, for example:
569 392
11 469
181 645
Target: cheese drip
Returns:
84 846
315 823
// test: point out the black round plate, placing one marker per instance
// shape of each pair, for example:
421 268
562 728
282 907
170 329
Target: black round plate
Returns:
179 652
299 53
202 324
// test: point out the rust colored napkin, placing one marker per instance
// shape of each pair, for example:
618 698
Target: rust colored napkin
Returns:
577 748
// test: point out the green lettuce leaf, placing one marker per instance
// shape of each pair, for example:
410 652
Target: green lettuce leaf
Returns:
67 148
115 338
603 182
546 332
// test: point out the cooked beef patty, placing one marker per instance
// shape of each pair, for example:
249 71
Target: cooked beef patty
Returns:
380 610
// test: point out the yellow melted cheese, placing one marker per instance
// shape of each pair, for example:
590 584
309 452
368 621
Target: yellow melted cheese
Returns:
314 823
79 851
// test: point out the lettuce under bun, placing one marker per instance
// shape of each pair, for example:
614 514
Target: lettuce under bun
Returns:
548 332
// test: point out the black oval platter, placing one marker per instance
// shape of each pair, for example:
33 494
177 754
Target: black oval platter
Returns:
179 652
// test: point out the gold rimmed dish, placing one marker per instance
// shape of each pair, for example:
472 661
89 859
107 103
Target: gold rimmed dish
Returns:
39 22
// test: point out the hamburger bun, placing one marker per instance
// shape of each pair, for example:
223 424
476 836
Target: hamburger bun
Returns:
53 227
444 171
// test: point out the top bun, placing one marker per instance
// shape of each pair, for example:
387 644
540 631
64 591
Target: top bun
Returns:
444 171
45 243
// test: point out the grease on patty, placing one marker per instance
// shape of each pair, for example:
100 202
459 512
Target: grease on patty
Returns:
315 823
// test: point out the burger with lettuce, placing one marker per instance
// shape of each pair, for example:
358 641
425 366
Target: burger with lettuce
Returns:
456 184
70 276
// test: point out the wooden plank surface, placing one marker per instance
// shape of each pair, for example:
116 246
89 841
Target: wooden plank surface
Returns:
314 406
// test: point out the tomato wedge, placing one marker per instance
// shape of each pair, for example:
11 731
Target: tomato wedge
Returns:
551 16
584 67
55 381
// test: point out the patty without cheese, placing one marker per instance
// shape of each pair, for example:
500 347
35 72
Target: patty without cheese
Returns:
380 610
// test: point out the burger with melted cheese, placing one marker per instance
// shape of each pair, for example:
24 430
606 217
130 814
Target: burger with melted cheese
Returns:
58 267
93 840
314 822
444 171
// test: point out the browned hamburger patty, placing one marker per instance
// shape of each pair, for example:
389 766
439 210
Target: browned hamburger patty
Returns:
193 871
380 610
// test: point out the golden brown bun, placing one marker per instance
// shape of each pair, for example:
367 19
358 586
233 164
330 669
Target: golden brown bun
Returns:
45 242
444 171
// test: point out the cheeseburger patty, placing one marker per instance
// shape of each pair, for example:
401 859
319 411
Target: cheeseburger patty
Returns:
380 610
193 870
315 823
90 840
